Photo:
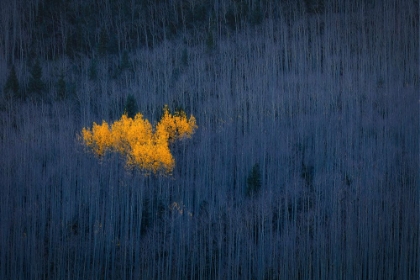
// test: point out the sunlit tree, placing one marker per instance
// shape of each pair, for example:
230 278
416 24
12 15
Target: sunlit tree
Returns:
136 139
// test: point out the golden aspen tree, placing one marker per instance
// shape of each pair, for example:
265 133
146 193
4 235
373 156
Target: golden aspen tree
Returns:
135 138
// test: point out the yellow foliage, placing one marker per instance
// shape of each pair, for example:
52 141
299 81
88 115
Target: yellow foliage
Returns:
138 142
99 139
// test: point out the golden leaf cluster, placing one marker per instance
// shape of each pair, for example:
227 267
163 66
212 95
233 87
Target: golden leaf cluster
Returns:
136 139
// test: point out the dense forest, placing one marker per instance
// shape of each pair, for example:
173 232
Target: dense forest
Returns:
304 163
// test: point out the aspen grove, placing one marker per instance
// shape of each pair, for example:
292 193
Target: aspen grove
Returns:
300 158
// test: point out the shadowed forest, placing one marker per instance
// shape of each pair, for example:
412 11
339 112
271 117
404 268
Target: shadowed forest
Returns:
304 163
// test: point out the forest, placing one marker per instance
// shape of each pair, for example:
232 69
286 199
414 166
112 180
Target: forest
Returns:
302 155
